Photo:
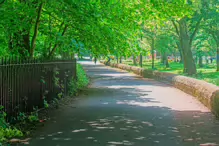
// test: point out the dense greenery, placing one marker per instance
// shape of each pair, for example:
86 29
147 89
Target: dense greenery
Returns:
82 79
45 28
6 131
81 82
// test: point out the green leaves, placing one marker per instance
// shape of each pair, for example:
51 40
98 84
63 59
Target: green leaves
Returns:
103 27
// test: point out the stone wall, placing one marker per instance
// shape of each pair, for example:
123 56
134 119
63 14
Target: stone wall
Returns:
207 93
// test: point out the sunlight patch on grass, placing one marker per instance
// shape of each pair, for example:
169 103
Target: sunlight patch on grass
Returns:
207 73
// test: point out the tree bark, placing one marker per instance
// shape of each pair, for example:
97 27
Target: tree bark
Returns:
186 42
134 60
206 59
120 60
200 61
162 58
37 24
152 52
140 61
166 60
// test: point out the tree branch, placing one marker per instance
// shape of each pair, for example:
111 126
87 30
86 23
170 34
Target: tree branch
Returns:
56 45
37 24
176 28
196 30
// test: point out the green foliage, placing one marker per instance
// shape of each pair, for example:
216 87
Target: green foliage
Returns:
3 123
6 133
46 105
22 119
207 73
82 79
119 28
5 130
81 82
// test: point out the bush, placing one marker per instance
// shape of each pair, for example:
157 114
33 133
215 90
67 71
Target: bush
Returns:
6 131
82 79
81 82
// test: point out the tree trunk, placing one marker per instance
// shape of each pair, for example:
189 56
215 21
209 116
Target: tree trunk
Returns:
152 52
37 24
189 64
162 58
140 60
206 59
120 60
200 61
134 60
166 60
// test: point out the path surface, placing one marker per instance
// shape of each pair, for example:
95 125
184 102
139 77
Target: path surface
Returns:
121 108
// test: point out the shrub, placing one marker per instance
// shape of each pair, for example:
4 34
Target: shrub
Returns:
82 79
5 130
81 82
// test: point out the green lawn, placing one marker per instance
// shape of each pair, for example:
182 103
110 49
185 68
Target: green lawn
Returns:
207 73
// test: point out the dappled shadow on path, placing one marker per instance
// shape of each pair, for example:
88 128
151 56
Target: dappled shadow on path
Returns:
117 79
123 109
111 117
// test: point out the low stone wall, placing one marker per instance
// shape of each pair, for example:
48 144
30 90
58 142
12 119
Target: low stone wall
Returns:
207 93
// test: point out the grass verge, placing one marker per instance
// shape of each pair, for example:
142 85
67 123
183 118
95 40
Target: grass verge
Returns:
207 73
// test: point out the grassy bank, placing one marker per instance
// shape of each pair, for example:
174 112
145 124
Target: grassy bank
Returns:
207 73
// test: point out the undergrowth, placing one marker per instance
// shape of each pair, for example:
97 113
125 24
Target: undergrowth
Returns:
79 83
7 131
23 123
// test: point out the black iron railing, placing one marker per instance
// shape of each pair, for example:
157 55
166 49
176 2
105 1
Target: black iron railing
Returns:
25 84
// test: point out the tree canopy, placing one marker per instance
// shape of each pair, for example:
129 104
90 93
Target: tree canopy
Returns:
47 28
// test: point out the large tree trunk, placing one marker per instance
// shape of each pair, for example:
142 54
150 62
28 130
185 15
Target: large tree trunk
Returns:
189 63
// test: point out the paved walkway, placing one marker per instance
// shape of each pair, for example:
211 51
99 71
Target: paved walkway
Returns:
121 108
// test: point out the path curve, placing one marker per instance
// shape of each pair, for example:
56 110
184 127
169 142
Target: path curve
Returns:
121 108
